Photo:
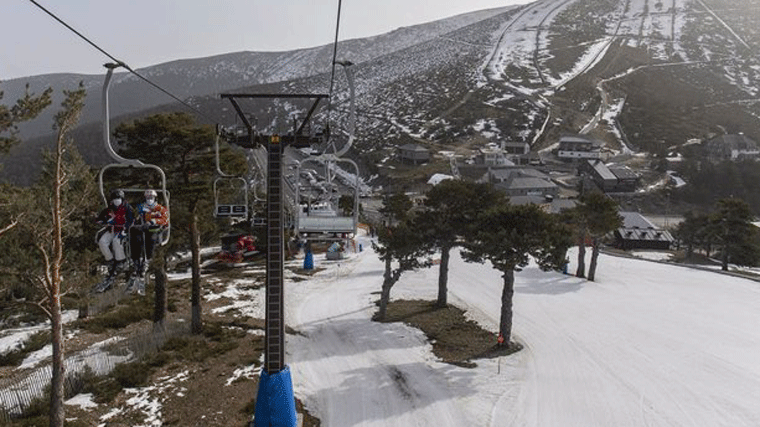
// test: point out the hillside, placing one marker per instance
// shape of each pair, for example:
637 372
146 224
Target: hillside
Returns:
643 76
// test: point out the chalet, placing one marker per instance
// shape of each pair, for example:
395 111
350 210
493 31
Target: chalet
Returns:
492 155
515 147
638 232
413 154
547 203
732 147
578 147
523 182
610 179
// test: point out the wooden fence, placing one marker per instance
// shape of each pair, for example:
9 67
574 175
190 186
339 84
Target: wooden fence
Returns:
20 391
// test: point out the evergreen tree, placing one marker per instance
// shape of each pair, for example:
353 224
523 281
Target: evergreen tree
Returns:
53 207
601 217
24 109
401 250
184 150
449 208
396 207
733 225
592 218
692 231
508 236
398 245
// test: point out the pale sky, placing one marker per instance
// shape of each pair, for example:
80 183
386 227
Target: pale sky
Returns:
148 32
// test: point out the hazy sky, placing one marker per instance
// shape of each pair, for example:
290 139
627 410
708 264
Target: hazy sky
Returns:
147 32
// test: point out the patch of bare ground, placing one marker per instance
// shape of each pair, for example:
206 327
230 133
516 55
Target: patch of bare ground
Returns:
206 380
455 339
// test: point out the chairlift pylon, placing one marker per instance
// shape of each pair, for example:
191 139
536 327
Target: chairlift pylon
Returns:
124 163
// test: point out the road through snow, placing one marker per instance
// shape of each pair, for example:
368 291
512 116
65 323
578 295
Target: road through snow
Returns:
648 344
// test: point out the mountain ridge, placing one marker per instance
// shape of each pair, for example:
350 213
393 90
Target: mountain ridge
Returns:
640 77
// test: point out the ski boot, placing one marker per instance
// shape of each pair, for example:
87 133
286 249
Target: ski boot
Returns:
109 280
140 285
131 284
136 283
104 285
114 267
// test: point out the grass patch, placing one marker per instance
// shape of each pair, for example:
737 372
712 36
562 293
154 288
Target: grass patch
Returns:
455 339
129 311
105 388
216 340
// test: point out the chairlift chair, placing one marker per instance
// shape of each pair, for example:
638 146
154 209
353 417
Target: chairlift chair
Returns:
128 164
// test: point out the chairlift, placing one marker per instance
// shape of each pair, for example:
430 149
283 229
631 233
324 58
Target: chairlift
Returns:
230 191
324 219
128 164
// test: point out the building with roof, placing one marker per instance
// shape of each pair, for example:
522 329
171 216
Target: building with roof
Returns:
523 182
578 147
493 156
413 154
732 147
610 179
638 232
547 203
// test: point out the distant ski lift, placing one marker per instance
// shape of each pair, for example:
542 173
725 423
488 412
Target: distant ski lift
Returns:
230 197
322 219
230 191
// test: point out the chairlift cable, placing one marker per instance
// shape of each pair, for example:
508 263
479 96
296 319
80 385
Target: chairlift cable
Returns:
122 63
334 59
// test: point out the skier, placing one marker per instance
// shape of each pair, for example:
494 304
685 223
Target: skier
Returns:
152 219
117 217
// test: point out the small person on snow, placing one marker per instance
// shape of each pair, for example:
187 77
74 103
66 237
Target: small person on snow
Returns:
117 217
152 218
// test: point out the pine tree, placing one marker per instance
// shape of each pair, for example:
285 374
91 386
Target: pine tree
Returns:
601 217
732 223
508 236
183 149
24 109
398 245
49 227
449 208
401 250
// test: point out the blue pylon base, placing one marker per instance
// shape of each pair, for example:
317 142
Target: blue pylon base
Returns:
275 404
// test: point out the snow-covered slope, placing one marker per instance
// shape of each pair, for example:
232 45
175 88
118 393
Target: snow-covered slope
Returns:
648 344
636 74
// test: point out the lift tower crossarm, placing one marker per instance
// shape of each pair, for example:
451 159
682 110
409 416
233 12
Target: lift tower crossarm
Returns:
297 139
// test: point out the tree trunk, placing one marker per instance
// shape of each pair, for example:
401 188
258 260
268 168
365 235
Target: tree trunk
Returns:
724 259
443 278
594 257
58 372
160 304
385 294
57 416
505 324
195 300
581 271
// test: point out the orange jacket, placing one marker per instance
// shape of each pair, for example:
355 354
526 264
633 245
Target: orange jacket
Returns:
154 215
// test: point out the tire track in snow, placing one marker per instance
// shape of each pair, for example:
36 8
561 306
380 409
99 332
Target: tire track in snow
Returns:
392 382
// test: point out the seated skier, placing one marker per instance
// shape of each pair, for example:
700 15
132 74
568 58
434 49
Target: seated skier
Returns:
117 217
152 218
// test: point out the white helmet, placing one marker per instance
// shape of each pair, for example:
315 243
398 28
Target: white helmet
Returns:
150 193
